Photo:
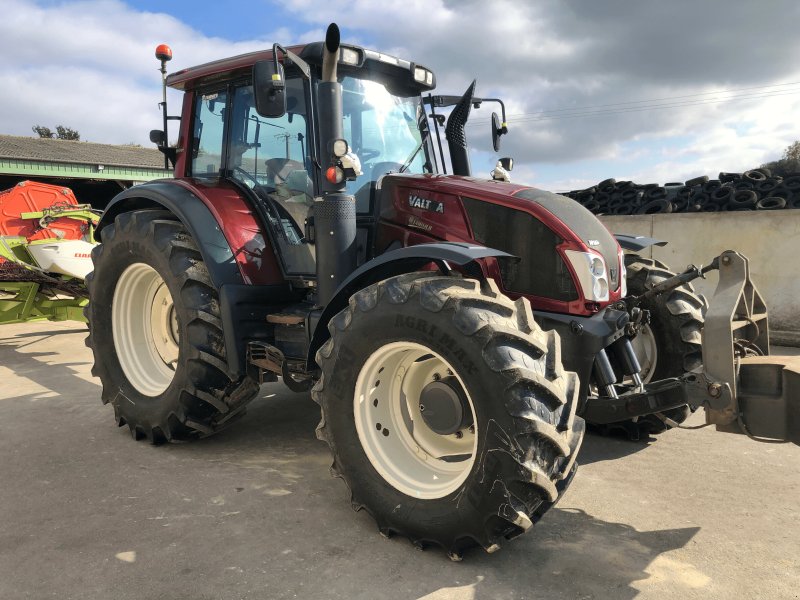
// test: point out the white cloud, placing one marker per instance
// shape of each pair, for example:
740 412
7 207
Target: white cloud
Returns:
92 68
555 55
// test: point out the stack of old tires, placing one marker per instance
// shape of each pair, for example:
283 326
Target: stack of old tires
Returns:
756 189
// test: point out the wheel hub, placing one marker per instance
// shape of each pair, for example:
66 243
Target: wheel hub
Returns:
412 452
145 329
164 325
444 406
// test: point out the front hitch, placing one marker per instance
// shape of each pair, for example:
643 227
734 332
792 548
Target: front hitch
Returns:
655 397
746 391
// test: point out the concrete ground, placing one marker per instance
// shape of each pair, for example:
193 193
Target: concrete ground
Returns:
86 512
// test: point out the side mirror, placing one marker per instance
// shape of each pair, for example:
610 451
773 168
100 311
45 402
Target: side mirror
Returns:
158 138
497 131
507 163
269 89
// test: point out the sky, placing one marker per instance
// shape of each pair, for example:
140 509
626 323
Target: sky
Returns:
650 90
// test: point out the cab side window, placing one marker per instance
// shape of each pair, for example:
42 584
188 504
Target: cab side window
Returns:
207 138
271 157
271 152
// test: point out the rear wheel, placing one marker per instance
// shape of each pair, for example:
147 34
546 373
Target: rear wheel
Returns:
447 411
671 344
156 332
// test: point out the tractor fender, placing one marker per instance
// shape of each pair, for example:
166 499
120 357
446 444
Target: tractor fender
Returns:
636 243
390 264
194 215
243 306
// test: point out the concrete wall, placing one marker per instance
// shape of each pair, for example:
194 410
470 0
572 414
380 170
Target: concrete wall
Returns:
770 239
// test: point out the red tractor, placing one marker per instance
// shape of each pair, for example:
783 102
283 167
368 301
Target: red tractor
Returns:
453 329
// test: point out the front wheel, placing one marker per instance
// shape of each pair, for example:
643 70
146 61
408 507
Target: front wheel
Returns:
156 332
447 411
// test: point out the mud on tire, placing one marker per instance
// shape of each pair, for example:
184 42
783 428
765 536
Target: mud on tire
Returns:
200 397
523 404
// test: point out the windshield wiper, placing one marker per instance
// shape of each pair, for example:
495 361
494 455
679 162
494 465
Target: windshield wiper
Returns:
426 133
407 164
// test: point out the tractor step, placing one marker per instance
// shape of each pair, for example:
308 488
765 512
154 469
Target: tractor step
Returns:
265 357
290 333
269 362
286 319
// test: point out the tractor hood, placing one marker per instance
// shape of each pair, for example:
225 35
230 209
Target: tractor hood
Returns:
582 222
468 209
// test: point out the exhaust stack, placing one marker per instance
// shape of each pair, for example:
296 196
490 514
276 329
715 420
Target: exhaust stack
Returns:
334 210
455 134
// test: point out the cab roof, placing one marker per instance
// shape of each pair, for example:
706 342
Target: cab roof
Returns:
220 69
227 68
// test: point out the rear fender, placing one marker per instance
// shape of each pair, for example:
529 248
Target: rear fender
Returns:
195 216
244 306
391 264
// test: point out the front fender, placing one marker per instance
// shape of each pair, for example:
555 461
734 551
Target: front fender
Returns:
391 264
636 243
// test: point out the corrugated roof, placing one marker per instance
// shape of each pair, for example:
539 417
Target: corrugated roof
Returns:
68 151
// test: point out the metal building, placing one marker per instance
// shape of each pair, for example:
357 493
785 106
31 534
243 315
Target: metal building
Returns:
95 172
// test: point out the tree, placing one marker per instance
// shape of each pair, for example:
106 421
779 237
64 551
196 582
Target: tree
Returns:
61 132
67 133
43 132
792 152
789 163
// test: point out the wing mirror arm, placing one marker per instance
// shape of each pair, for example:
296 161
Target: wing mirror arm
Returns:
269 88
499 124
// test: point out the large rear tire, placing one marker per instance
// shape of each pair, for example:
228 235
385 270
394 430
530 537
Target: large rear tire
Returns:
500 447
671 344
156 332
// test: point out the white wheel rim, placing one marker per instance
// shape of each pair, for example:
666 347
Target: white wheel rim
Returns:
401 447
646 350
145 329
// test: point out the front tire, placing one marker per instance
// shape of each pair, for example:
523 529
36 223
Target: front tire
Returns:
156 332
465 477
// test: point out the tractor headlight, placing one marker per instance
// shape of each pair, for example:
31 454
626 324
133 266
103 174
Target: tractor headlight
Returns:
623 273
598 267
349 56
423 75
592 274
339 147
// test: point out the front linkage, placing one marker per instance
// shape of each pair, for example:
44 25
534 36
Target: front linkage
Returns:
742 389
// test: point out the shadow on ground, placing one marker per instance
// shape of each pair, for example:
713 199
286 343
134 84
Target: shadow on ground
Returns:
570 552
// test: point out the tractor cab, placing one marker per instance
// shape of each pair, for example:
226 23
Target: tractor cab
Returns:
279 161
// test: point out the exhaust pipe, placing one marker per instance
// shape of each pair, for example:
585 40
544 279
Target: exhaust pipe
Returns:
334 210
455 134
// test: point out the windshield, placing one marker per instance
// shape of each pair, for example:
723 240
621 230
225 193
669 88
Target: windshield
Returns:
384 132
